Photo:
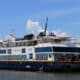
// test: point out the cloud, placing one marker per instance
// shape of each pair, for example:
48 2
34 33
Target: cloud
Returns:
33 27
60 33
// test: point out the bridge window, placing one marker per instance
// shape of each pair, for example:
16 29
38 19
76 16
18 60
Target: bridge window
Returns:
66 49
43 49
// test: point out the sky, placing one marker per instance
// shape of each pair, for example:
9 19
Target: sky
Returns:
21 16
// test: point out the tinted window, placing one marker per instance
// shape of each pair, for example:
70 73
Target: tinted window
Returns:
66 49
23 50
9 51
30 56
2 51
43 49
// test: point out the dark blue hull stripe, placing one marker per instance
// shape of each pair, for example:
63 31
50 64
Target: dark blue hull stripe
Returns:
37 66
27 65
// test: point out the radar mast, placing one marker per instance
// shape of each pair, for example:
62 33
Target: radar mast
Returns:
46 26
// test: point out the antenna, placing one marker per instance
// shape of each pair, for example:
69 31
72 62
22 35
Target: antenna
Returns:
46 26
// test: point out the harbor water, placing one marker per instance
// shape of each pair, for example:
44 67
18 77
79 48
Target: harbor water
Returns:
26 75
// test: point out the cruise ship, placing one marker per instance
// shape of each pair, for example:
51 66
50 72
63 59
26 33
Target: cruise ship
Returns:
41 53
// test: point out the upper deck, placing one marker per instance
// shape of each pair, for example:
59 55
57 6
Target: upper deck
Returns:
31 40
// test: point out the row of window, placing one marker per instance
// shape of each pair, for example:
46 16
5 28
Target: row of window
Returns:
41 56
22 51
43 49
57 49
16 57
66 49
10 51
48 49
2 51
21 44
16 44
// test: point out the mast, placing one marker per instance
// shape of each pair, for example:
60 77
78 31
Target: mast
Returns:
46 26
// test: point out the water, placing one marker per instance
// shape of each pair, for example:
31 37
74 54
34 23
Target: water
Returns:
24 75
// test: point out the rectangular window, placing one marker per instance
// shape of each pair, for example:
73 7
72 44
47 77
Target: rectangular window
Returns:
7 44
30 56
23 44
23 50
2 51
20 44
9 51
41 56
43 49
16 44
